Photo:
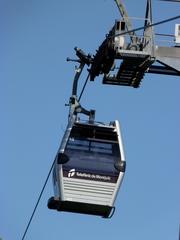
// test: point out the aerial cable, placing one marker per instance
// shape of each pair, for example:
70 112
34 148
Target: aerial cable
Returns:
148 26
49 173
37 203
83 88
47 178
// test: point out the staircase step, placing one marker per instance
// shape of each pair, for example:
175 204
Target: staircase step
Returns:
130 73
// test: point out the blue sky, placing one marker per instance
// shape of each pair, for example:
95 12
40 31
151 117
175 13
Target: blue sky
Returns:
36 37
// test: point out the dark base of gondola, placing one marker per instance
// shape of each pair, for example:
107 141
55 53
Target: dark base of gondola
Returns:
83 208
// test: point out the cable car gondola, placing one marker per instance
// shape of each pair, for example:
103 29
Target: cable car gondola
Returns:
89 166
89 169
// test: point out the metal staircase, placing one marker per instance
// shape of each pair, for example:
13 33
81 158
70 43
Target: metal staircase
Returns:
130 73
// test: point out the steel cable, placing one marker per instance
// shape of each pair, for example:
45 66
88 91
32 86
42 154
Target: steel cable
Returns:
37 203
83 88
148 26
47 178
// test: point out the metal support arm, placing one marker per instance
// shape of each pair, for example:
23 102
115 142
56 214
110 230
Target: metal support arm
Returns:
126 18
74 105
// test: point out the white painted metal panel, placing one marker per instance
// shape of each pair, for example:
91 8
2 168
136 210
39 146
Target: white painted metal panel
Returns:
88 191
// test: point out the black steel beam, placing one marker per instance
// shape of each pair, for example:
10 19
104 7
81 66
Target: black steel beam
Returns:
163 70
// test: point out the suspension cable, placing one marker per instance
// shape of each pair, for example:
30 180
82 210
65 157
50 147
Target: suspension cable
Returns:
37 203
83 87
148 26
47 178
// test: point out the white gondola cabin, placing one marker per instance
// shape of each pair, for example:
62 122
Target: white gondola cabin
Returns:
89 169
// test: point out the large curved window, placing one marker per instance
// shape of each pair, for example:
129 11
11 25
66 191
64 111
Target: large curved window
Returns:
93 155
